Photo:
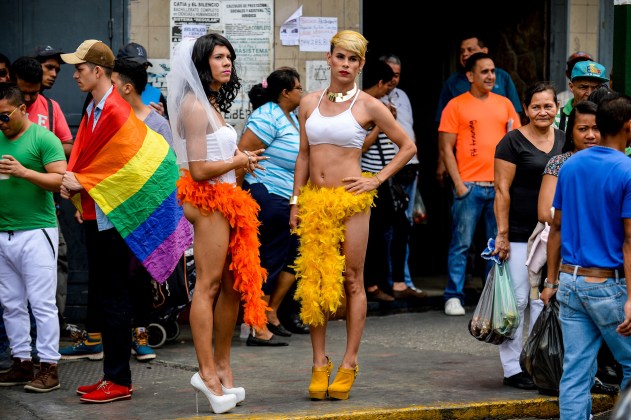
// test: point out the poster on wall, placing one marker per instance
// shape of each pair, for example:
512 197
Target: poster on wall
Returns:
316 33
249 25
318 75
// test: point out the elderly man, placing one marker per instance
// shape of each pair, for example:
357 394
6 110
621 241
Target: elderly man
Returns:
586 77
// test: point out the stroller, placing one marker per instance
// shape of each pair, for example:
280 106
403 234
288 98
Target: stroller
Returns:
169 300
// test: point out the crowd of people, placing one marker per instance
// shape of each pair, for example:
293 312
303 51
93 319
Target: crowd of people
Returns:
308 208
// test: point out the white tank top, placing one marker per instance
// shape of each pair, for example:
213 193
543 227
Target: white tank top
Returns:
220 146
341 130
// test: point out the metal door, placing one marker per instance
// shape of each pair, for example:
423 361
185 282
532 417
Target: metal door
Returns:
62 24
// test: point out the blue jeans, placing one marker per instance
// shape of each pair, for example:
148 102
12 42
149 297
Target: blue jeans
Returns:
466 212
589 313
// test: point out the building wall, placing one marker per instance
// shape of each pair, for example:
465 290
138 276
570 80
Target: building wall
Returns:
149 26
584 26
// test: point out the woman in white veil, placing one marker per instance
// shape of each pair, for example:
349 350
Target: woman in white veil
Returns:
202 85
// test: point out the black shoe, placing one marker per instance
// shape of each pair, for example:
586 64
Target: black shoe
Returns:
520 380
601 388
278 330
295 325
607 374
274 342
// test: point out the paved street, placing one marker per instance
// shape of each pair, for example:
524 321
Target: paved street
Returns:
413 365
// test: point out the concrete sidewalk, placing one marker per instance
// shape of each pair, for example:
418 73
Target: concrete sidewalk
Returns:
413 365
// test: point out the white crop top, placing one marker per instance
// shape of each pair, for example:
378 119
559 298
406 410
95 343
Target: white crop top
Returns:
220 146
341 130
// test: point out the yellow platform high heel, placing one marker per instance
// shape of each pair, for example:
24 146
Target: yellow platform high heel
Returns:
343 382
320 380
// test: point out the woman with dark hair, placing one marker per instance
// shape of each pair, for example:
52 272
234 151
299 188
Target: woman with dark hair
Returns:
203 82
520 157
273 127
581 133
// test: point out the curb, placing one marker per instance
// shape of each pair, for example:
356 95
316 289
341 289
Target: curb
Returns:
547 407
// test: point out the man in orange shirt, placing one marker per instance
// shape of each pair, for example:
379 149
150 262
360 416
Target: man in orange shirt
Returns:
470 127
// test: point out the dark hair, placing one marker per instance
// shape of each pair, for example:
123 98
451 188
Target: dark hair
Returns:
11 93
536 88
28 69
474 58
471 35
583 108
278 80
203 48
600 93
375 72
613 112
4 59
132 72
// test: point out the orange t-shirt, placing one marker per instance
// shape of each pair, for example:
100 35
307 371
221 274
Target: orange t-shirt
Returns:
479 124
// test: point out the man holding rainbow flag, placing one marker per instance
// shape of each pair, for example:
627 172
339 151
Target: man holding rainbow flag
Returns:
121 177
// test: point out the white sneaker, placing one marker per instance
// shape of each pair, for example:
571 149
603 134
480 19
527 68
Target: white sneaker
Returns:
453 307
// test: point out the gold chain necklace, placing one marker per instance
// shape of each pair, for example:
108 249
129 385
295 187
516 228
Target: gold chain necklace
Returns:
341 96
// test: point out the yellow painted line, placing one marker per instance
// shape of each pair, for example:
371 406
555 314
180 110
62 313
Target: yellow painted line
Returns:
545 407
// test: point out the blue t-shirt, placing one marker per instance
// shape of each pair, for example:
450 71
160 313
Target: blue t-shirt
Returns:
457 84
594 194
282 141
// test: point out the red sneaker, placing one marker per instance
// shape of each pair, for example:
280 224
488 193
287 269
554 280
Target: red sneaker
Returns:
107 392
86 389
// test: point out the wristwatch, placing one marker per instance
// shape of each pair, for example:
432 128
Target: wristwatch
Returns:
550 285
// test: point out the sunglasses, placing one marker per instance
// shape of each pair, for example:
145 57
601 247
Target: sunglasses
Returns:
4 72
6 118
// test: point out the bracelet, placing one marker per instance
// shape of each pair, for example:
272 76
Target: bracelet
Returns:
550 285
378 179
293 200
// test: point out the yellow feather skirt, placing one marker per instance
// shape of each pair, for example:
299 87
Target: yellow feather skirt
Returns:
320 265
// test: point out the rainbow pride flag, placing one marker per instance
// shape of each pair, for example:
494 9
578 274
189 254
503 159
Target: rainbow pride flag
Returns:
130 172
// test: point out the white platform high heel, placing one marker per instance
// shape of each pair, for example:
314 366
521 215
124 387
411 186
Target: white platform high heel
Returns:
237 392
218 403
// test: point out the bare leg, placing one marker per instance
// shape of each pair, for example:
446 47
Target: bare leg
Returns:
226 313
283 284
210 248
355 252
263 333
318 341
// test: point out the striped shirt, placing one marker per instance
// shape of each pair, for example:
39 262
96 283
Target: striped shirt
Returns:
372 160
282 141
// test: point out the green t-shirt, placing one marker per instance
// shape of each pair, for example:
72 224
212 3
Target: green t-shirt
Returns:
24 205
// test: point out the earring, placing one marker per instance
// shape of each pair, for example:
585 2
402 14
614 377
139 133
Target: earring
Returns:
360 72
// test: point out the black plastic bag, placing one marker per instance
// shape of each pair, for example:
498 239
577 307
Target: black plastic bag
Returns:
542 355
400 198
480 325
